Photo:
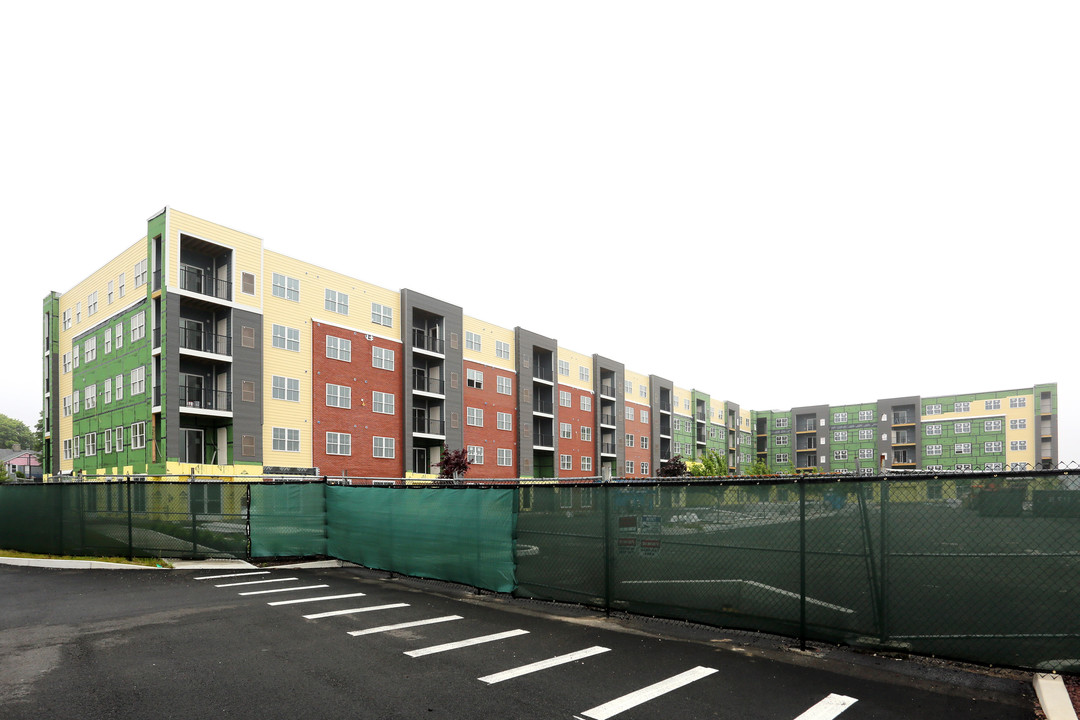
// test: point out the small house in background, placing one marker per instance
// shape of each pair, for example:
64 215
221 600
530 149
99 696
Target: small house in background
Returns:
15 460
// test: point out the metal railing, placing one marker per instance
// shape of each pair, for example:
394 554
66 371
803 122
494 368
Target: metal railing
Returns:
193 397
196 281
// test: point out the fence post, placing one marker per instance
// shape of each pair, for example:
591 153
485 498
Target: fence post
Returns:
607 549
131 544
884 611
802 564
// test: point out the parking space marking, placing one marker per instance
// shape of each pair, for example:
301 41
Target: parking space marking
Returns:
232 575
466 643
350 611
256 582
280 590
619 704
543 664
828 708
316 599
402 626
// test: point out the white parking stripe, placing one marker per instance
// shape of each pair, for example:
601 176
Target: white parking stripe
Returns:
828 708
277 590
316 599
232 575
618 705
543 664
332 613
466 643
255 582
402 626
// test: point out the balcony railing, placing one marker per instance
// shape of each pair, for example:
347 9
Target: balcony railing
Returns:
428 426
607 419
543 405
541 371
608 449
543 440
202 341
421 340
665 406
608 390
903 418
424 383
199 398
196 281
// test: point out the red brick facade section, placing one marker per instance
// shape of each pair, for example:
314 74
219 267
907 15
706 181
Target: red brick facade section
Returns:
637 453
359 421
490 437
575 447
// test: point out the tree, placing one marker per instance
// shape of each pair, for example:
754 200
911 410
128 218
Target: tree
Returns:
675 467
760 467
454 464
14 432
714 464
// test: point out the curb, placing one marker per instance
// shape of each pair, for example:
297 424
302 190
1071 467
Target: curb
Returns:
73 564
1053 697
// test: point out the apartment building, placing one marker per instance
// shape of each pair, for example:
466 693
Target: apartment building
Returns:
197 351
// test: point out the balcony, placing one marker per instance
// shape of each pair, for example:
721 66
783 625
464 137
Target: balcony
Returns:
543 405
903 418
422 382
607 390
665 406
541 372
608 449
427 426
607 419
201 341
546 440
903 438
195 280
193 397
421 340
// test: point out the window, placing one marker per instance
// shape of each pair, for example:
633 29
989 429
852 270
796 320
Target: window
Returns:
866 415
382 358
564 398
247 285
645 416
643 391
75 356
1019 424
337 302
992 447
840 417
473 342
866 454
961 428
66 319
122 285
382 315
586 463
628 388
992 426
118 438
340 349
566 462
285 388
67 362
866 434
119 384
994 467
1018 445
91 443
75 443
992 404
382 403
339 396
629 413
628 440
138 380
90 397
382 447
91 303
476 454
67 449
586 403
140 273
286 338
583 373
644 468
107 441
933 430
108 390
138 326
933 410
78 313
564 368
840 436
782 439
505 457
502 349
566 430
286 287
286 439
628 469
1017 402
933 449
962 467
586 433
108 342
962 407
138 436
119 333
644 442
962 448
504 421
474 379
781 458
840 454
504 385
338 443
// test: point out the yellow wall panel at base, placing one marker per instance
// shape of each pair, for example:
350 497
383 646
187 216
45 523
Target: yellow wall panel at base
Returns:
488 334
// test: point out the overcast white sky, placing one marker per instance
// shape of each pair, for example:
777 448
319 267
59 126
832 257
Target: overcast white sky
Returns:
779 203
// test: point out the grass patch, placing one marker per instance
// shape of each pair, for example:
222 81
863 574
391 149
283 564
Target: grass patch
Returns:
148 562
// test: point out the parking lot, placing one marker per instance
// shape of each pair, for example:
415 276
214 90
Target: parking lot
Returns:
347 642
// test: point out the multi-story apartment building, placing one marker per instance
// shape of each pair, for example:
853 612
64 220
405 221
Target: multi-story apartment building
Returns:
198 351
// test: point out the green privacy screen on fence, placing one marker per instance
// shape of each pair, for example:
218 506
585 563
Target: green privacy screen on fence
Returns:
463 535
288 520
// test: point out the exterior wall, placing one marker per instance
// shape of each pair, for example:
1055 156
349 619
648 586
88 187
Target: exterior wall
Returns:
489 401
580 447
853 437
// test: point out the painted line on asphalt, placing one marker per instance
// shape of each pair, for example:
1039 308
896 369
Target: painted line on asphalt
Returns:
619 704
543 664
466 643
350 611
277 590
828 708
232 575
751 583
316 599
402 626
256 582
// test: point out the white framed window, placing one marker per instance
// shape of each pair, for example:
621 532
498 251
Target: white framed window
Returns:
138 380
505 457
122 284
840 454
1018 424
119 385
108 341
138 326
118 333
473 342
564 368
628 468
643 391
66 319
991 426
933 410
382 358
933 430
628 387
628 440
781 458
1018 402
961 428
933 449
90 349
585 432
67 362
866 434
476 454
91 303
90 397
1018 445
644 468
645 416
382 315
118 438
586 403
338 443
962 449
564 398
286 338
140 273
566 462
782 439
339 396
285 388
138 436
504 385
474 416
76 443
629 415
336 302
782 423
866 415
285 287
78 312
107 390
929 468
285 439
644 442
75 356
566 431
962 467
67 449
504 421
474 378
107 441
91 444
586 463
339 349
962 407
866 454
994 467
583 373
839 436
993 447
383 447
67 405
502 349
839 417
992 404
382 403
